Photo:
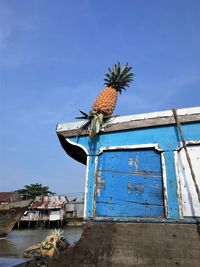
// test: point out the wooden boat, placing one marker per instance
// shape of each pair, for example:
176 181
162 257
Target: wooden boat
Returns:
142 193
11 210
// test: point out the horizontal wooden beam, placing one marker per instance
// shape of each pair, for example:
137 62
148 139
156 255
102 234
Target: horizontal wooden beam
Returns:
135 124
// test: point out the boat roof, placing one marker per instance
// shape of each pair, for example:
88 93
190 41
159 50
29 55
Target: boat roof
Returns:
121 123
117 123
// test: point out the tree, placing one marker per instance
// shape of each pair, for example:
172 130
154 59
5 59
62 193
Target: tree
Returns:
33 190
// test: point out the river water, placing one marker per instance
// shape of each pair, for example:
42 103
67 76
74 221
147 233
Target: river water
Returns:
18 240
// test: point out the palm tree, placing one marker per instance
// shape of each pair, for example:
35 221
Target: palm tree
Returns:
33 190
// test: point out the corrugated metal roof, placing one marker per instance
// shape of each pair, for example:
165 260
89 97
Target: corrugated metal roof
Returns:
48 202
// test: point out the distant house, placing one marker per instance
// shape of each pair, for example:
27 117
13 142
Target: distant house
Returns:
75 207
46 208
50 210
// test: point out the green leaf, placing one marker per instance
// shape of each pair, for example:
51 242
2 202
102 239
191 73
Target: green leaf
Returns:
101 117
93 126
85 114
97 126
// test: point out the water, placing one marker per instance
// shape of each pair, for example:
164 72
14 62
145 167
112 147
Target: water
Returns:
18 240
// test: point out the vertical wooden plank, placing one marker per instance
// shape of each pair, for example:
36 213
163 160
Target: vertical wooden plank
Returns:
191 205
89 190
173 206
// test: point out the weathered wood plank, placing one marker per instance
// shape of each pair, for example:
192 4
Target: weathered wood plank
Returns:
131 184
135 124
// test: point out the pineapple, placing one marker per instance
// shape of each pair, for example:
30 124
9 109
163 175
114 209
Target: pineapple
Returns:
117 79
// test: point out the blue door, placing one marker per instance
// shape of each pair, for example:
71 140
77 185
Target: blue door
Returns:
129 184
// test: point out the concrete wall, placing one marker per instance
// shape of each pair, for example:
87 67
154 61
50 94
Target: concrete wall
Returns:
134 244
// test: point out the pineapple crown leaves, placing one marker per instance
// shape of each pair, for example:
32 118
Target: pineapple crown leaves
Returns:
85 116
94 122
57 232
119 77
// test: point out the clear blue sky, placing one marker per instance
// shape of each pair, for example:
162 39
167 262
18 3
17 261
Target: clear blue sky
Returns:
53 57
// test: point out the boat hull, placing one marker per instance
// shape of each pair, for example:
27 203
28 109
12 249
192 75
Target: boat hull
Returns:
10 214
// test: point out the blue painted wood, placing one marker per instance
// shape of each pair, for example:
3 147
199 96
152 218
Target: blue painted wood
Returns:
89 201
132 184
166 137
173 207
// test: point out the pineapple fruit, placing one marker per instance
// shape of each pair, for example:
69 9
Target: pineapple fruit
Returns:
117 79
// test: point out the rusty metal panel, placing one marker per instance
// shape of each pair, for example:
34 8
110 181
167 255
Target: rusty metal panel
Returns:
129 183
48 202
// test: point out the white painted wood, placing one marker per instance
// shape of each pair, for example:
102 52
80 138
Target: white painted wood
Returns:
122 119
164 175
69 126
190 202
152 115
86 188
138 146
79 145
179 193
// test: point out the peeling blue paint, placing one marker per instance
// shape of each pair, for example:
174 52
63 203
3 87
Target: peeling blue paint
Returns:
90 187
130 189
168 140
173 207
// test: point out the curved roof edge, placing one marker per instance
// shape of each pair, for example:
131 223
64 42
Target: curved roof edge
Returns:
119 123
76 152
